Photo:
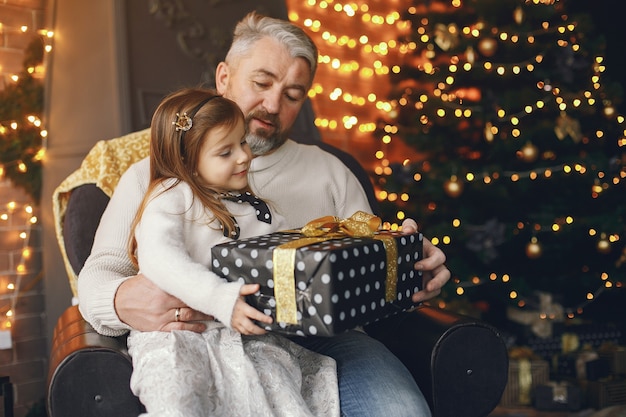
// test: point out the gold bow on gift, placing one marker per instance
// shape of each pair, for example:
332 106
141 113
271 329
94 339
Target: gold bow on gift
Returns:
360 224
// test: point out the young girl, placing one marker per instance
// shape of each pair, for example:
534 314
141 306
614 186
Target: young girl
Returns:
198 197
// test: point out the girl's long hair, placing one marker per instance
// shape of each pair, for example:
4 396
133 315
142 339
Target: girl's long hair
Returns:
176 154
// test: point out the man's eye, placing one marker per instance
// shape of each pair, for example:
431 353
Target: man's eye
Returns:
294 95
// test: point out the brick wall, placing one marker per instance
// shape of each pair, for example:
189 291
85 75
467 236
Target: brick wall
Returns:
23 344
14 14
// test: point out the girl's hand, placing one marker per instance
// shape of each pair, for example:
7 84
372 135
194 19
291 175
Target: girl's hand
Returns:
244 314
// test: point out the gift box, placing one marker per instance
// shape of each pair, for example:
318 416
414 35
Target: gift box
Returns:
571 338
582 365
565 366
606 393
323 285
615 355
545 347
558 396
526 371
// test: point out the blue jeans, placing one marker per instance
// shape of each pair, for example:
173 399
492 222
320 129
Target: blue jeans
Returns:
372 381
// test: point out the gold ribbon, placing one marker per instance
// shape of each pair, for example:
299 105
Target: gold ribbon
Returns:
524 357
391 282
525 379
284 258
569 342
360 224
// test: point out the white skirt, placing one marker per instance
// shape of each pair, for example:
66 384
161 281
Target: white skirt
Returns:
222 373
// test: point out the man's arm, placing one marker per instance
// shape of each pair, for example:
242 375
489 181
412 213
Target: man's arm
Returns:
108 265
112 298
144 306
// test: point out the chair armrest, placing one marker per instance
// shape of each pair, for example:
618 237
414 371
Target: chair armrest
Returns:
6 392
82 217
89 373
459 363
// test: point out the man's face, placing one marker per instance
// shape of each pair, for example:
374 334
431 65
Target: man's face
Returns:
270 87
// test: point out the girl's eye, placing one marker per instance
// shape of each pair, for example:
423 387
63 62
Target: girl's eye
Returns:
244 143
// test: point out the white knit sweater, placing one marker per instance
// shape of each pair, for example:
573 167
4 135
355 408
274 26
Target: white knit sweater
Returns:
301 182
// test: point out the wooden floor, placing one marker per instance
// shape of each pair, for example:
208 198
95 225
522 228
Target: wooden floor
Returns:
611 411
526 412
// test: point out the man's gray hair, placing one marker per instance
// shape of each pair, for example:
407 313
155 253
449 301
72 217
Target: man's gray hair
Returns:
254 26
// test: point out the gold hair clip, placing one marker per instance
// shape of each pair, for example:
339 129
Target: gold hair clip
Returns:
183 122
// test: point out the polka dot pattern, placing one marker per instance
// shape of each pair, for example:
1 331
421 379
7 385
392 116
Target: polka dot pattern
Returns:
339 283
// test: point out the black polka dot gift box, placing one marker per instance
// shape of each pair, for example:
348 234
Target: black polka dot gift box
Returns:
325 284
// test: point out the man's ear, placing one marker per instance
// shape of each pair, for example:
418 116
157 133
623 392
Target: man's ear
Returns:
221 77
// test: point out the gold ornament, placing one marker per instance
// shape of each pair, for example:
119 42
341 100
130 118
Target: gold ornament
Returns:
487 46
533 249
604 246
446 37
489 136
453 187
470 55
518 15
528 153
565 126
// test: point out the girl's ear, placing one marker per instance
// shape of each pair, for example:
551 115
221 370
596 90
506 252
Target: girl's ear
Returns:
221 77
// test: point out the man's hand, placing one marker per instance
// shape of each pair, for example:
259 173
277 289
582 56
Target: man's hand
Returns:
244 314
435 273
145 307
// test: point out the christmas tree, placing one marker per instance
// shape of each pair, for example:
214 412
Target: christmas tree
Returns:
21 134
521 174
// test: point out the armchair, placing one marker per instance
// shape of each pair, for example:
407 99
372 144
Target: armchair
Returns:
460 363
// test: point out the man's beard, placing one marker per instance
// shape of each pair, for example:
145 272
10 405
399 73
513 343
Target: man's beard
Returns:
262 141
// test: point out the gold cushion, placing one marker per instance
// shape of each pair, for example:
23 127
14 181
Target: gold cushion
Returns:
103 166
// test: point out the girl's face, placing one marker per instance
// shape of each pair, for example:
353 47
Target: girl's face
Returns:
225 158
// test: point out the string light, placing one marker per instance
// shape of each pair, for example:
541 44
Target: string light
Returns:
371 45
17 222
